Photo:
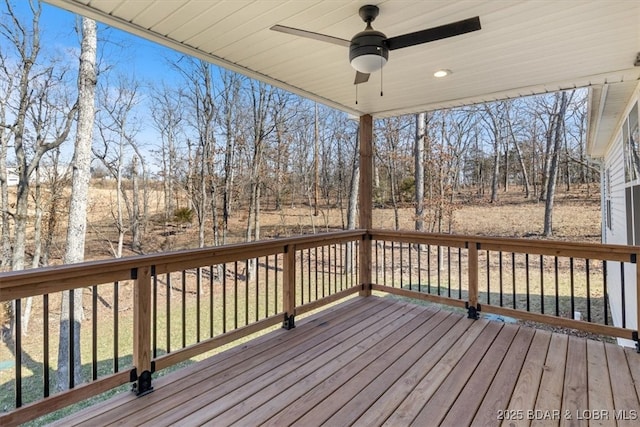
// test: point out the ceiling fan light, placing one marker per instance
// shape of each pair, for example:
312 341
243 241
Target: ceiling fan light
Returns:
368 63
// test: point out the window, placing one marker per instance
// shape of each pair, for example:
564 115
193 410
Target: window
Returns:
631 148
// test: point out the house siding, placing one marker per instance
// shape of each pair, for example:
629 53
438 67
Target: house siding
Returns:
618 231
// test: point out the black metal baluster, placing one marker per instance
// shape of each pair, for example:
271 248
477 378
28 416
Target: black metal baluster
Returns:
247 267
266 286
557 285
541 284
526 260
257 286
335 267
622 295
419 250
341 266
275 287
235 295
393 264
605 295
316 269
438 267
401 268
428 269
488 278
449 271
116 309
198 290
168 309
588 290
184 308
353 266
94 334
459 273
384 262
72 326
211 269
513 279
18 352
45 344
224 298
573 303
501 277
324 281
410 267
309 275
377 261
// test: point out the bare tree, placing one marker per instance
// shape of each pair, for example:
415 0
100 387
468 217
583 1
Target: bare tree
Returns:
117 129
77 224
421 133
39 99
261 97
556 136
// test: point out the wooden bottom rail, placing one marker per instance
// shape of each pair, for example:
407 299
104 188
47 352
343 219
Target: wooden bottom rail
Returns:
419 295
547 319
326 300
187 353
61 400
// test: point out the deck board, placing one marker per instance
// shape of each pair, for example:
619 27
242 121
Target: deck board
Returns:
383 361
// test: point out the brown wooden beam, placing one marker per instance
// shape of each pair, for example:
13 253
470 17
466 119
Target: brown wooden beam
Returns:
289 286
365 200
142 330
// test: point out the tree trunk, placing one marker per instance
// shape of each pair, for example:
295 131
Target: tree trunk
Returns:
77 224
418 154
135 217
558 132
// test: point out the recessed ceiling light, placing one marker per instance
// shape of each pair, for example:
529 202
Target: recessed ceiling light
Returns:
441 73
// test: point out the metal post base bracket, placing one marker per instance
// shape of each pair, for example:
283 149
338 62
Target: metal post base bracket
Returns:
143 385
289 322
472 312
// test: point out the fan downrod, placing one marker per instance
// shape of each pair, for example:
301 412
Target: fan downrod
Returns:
368 13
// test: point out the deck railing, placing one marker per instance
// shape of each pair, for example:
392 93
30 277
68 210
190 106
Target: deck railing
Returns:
147 313
557 283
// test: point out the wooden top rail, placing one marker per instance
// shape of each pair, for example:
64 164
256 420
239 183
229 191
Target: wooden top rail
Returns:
25 283
531 246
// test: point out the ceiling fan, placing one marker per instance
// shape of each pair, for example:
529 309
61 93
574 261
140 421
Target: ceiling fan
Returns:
369 49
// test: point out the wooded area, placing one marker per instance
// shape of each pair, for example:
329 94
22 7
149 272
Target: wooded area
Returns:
219 145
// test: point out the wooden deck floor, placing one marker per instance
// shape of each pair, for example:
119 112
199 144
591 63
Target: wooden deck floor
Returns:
380 361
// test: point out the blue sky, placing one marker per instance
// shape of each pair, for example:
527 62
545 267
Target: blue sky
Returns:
123 53
126 52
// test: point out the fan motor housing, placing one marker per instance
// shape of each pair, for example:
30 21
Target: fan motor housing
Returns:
368 42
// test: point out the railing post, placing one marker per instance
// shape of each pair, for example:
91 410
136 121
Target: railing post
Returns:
364 267
472 305
365 201
142 330
289 287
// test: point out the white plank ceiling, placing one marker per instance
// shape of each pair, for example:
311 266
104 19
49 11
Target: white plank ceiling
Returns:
525 46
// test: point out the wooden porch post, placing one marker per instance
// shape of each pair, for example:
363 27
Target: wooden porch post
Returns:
142 329
365 200
472 304
289 287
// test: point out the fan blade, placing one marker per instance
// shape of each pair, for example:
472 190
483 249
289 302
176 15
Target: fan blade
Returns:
311 35
361 78
435 33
